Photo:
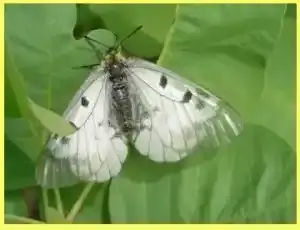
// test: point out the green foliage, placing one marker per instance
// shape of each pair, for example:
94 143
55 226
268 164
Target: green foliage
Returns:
244 53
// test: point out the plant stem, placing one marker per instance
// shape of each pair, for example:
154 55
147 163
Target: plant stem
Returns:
77 206
45 201
59 204
22 219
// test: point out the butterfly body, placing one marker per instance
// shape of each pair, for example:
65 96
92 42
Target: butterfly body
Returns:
120 94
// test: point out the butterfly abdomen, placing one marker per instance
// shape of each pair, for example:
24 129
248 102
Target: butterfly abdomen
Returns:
122 103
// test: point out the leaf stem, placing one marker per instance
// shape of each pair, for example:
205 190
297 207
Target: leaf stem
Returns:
22 219
77 206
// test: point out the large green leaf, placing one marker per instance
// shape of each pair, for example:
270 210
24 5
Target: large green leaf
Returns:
225 48
252 180
277 108
19 168
145 192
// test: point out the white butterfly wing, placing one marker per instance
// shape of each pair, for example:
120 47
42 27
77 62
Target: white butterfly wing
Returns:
93 152
182 115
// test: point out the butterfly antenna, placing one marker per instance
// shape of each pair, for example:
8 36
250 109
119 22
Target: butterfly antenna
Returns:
129 35
93 40
90 41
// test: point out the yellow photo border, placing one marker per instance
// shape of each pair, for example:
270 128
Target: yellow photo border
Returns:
137 226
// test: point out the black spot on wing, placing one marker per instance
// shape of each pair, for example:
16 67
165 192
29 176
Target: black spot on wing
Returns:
84 101
200 104
163 81
187 96
64 140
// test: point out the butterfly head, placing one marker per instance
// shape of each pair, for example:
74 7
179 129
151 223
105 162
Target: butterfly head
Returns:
112 51
115 66
113 55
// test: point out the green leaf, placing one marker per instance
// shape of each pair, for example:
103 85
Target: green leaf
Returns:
54 217
149 41
145 192
291 10
19 168
277 107
17 91
251 180
86 21
15 85
14 203
95 207
16 210
52 121
11 108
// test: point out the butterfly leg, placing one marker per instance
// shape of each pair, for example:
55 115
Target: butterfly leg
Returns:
91 66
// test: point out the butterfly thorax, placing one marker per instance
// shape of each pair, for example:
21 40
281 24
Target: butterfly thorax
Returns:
120 95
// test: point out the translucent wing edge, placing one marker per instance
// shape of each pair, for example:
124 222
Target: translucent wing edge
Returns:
223 127
52 172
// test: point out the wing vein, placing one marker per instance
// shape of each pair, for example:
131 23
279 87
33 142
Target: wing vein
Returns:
148 85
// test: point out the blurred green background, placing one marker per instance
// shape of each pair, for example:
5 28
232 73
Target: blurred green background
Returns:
244 53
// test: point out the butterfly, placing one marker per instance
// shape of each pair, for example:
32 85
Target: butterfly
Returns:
130 100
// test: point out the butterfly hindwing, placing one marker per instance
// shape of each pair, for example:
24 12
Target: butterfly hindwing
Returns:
182 115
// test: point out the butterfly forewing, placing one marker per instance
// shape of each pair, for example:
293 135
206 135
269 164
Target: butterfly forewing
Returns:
93 152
